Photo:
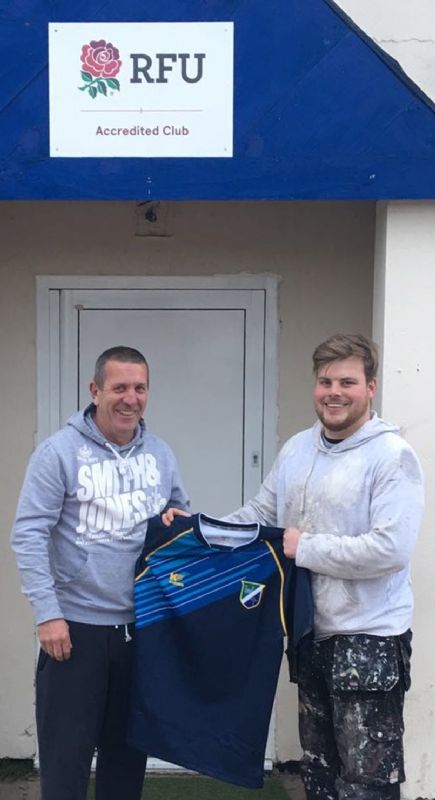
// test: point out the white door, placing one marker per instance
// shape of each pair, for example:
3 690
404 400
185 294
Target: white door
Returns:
206 356
212 363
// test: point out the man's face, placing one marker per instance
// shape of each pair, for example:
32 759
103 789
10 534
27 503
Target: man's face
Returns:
342 397
121 401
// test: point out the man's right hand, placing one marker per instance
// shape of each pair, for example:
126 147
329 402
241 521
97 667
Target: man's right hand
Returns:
169 515
54 639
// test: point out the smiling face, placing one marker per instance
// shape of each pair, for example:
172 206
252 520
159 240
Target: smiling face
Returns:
342 396
121 401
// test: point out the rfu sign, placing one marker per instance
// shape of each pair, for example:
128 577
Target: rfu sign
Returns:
189 66
128 89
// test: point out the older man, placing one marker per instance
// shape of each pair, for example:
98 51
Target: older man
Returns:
80 525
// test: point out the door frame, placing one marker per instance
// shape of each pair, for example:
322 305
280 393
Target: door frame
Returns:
48 350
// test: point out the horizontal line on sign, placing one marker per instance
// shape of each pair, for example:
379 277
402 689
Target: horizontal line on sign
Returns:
141 110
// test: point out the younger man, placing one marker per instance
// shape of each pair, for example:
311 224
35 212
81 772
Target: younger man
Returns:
349 491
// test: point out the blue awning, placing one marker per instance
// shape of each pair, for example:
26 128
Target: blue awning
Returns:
320 112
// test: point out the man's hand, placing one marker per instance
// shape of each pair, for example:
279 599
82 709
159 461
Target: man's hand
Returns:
54 639
169 515
290 541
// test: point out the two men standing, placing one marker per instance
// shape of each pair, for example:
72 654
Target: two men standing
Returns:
349 494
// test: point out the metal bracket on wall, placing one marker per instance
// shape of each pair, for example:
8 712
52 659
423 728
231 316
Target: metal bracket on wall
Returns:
153 218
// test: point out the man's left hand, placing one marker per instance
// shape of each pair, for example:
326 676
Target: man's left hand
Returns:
169 515
290 541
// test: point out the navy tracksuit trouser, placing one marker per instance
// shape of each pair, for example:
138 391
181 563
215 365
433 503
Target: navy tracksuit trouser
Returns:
83 704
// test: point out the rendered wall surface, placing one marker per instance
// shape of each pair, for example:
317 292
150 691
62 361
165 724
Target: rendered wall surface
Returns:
404 321
405 30
323 253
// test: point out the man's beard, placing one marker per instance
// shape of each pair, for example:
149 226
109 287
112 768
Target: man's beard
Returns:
358 415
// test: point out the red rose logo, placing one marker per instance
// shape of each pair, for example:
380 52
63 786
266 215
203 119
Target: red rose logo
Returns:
101 63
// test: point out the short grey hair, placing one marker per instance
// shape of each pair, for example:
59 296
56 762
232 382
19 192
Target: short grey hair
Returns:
119 353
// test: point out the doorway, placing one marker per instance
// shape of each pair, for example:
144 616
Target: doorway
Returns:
211 344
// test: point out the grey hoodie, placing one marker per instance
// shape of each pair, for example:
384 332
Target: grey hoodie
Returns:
82 518
359 506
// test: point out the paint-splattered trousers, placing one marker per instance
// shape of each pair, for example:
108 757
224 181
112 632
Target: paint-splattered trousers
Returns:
351 695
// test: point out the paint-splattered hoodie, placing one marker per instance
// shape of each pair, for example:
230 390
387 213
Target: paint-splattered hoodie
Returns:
359 505
81 519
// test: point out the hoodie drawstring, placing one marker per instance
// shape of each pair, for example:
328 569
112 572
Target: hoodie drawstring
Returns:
124 468
127 637
304 487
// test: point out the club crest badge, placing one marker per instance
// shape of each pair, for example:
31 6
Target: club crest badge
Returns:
251 594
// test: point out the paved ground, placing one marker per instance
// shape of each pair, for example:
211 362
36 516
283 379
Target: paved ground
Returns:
29 789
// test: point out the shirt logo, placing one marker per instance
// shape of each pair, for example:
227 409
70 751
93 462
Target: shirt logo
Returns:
251 594
85 454
176 579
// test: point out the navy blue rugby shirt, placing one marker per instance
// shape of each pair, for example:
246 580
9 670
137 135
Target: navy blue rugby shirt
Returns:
211 615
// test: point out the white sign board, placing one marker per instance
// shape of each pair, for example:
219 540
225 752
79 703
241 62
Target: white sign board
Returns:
145 89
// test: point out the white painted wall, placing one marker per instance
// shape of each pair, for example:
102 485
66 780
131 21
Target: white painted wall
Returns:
404 321
405 29
323 253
